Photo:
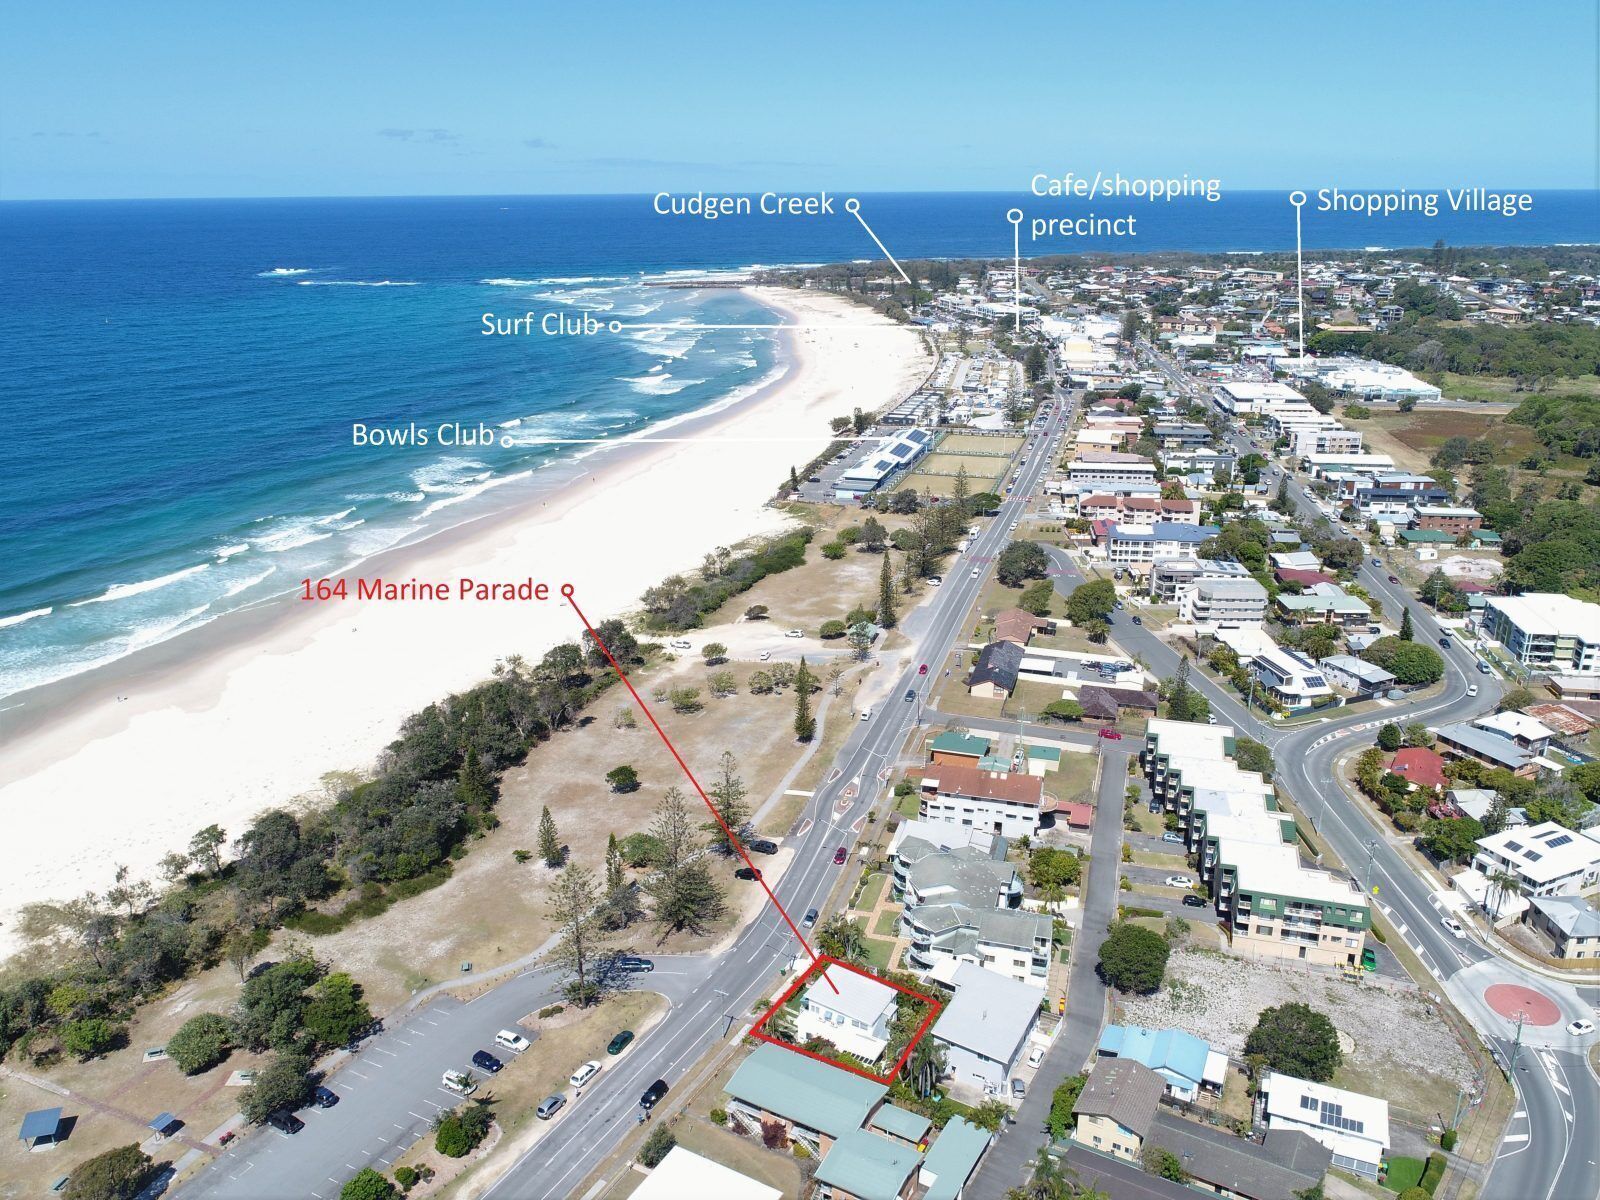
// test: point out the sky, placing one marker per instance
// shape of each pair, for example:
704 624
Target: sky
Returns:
181 99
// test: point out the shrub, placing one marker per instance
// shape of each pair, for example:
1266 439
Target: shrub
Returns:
367 1185
657 1146
200 1043
118 1174
91 1037
1433 1172
719 1116
406 1177
832 629
552 1010
1133 958
1296 1039
1447 1139
1415 1193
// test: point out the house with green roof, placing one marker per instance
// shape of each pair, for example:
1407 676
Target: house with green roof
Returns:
958 748
865 1166
952 1159
815 1102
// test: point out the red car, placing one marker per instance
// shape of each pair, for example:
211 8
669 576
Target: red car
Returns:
923 669
1111 734
838 857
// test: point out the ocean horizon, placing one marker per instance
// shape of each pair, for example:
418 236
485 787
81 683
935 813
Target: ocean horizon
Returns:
179 379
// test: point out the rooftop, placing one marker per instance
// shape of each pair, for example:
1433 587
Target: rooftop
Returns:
1549 614
812 1093
955 780
685 1175
1124 1090
1162 1050
859 997
1544 852
951 1159
989 1014
868 1166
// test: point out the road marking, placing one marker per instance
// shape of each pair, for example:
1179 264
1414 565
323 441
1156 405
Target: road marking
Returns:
381 1050
1514 1137
417 1115
1519 1114
357 1073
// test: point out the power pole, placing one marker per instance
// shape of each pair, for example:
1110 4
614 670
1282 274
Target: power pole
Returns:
1516 1045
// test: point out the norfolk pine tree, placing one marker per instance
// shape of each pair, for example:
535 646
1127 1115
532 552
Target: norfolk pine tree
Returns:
886 614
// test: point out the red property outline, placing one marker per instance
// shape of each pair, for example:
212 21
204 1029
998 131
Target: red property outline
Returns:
822 963
567 590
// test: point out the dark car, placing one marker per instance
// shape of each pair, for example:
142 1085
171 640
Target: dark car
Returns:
652 1095
747 873
1137 619
632 962
1193 901
911 694
619 1043
764 847
839 856
285 1122
1445 643
323 1098
485 1061
1394 579
810 918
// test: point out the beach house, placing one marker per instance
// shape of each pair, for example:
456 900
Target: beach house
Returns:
854 1014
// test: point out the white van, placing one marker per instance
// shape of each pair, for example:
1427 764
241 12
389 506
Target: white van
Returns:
511 1040
866 713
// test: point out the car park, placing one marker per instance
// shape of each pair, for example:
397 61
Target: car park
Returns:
652 1095
750 873
810 918
324 1097
1190 900
1582 1027
511 1040
581 1077
1179 881
839 856
485 1061
550 1106
620 1042
1169 836
285 1122
1453 927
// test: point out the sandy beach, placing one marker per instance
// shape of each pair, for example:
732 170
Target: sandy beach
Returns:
255 712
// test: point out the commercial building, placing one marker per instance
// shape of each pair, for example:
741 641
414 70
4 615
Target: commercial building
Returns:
985 1027
1546 859
1245 397
1105 466
884 461
1354 1126
1547 632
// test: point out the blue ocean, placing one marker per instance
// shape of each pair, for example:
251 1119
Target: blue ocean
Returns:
179 379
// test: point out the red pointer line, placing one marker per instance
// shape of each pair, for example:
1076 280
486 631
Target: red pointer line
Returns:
566 590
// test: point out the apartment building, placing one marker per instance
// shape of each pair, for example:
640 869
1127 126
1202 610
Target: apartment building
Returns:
1444 518
1546 632
1223 604
1106 466
1306 441
1137 510
1009 804
1171 575
1127 544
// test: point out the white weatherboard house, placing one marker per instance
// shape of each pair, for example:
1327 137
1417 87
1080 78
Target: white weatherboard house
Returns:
1353 1125
985 1027
855 1018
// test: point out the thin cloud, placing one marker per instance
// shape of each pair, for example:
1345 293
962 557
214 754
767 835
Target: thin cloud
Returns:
420 135
537 143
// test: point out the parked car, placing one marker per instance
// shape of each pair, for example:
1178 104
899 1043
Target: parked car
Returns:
1369 959
810 918
1019 1089
681 644
1172 837
285 1122
460 1082
866 713
511 1040
1179 881
1190 900
935 580
632 962
581 1077
1111 735
1035 1056
324 1097
1137 619
750 873
619 1043
1453 927
1581 1027
485 1061
652 1095
1483 667
839 856
795 633
763 846
550 1106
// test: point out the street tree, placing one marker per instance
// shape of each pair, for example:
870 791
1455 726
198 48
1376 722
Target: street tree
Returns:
886 614
805 725
728 797
583 935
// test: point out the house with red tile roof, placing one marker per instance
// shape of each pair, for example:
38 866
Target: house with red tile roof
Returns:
1419 766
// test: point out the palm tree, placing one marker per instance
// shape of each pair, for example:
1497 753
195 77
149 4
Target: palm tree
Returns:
1503 884
925 1066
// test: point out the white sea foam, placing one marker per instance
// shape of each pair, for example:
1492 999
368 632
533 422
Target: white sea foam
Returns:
659 385
284 272
233 589
6 622
224 553
513 282
160 629
560 279
121 591
448 475
356 282
584 298
480 485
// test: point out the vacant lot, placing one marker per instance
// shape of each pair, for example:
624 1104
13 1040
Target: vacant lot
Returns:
1411 438
1395 1045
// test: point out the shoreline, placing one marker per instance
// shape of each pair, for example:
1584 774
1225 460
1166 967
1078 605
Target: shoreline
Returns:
256 709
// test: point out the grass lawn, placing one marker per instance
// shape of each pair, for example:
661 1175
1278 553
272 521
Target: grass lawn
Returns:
878 951
888 921
909 805
1149 858
1075 778
1146 821
1403 1173
871 894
